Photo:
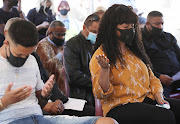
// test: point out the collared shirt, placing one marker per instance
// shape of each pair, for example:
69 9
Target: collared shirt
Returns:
64 21
51 41
129 84
163 52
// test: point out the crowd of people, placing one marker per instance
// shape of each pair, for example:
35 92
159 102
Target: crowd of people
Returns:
128 67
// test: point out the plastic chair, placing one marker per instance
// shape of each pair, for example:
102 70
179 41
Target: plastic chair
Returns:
98 108
65 82
175 96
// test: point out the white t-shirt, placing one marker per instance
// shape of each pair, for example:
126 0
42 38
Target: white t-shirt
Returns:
28 74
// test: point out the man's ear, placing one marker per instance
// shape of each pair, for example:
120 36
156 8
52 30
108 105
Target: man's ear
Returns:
50 36
84 27
5 32
147 23
148 27
6 43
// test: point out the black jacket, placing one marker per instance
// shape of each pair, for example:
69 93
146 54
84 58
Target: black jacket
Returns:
77 55
163 52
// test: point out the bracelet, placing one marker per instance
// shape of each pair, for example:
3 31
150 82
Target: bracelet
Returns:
48 97
1 104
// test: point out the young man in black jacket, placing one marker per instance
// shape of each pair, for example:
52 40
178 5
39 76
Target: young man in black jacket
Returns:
77 55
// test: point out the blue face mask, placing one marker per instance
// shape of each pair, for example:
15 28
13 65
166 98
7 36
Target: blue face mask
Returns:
92 37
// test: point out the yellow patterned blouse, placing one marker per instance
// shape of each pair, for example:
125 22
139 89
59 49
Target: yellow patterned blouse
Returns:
130 84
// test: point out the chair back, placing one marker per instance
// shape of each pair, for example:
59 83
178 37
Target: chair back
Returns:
98 108
65 82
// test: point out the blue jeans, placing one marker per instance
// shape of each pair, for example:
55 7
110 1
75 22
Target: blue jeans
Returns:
59 119
33 119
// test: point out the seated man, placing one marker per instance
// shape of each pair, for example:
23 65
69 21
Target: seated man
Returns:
77 55
50 50
18 100
162 50
56 95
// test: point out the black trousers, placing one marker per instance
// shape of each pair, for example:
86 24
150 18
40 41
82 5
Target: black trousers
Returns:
87 111
147 113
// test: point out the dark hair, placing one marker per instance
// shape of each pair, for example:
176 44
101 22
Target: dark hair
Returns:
119 14
65 3
24 33
56 23
155 14
90 19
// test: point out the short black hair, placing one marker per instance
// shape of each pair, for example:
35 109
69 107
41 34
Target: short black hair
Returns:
155 14
56 23
24 33
91 18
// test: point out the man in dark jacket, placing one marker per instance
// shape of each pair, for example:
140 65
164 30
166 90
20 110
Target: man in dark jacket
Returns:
77 55
162 50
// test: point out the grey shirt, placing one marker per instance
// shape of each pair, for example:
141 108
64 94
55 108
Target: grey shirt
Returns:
28 74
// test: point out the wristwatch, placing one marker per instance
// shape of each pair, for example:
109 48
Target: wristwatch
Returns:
47 98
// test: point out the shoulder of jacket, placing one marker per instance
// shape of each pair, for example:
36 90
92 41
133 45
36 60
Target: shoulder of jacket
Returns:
74 41
168 34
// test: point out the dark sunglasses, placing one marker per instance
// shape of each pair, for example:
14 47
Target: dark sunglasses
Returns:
124 7
94 18
59 34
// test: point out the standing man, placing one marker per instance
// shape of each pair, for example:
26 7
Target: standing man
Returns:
77 55
9 10
162 50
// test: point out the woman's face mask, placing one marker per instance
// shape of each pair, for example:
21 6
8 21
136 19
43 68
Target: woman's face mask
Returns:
47 9
64 12
127 35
